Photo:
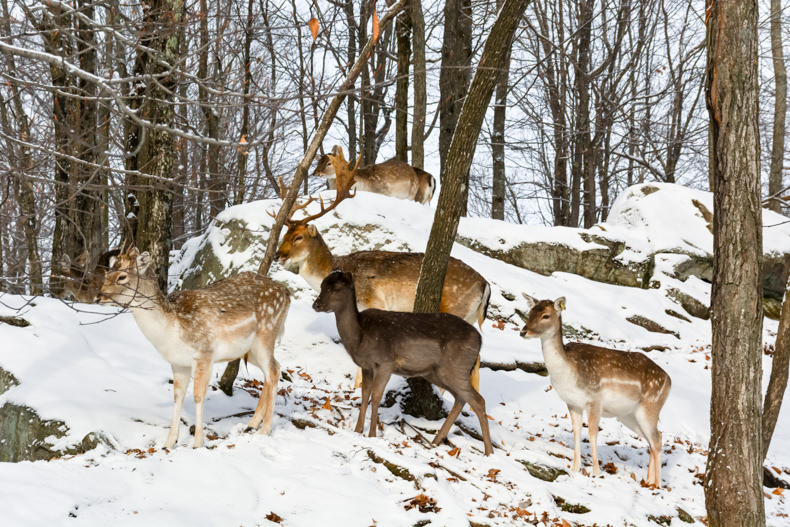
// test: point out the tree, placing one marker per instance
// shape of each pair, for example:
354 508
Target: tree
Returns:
775 186
733 478
498 142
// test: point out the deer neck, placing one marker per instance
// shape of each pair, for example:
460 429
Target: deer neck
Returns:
348 326
150 308
554 351
318 264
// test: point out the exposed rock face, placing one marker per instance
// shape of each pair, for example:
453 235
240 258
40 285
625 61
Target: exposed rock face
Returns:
24 436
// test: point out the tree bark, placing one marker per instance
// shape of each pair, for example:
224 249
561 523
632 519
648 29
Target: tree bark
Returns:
459 157
733 479
780 108
455 73
779 375
420 96
499 176
403 31
155 152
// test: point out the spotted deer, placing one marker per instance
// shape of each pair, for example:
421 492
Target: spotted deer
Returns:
383 279
601 381
439 347
81 280
392 178
238 317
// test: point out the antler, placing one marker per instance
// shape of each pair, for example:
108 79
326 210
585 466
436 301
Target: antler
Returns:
345 180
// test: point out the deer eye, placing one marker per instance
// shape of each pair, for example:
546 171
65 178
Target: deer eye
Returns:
123 277
298 238
545 317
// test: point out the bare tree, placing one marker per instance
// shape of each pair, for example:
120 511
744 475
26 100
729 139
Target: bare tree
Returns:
775 185
733 476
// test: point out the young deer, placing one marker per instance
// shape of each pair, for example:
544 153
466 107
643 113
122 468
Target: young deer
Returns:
83 281
603 382
439 347
391 178
383 279
240 316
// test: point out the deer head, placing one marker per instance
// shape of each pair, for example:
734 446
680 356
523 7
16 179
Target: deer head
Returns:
123 285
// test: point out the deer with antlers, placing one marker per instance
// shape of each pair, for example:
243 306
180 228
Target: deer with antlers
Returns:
392 178
240 316
382 279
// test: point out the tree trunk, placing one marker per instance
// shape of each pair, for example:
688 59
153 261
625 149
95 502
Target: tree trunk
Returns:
351 57
420 97
498 141
779 374
403 30
455 74
780 108
733 479
155 155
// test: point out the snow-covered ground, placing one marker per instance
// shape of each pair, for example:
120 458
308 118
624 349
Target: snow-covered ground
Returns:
91 367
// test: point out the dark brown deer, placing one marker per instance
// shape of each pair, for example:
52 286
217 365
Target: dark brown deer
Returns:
383 279
83 281
601 381
240 316
392 178
439 347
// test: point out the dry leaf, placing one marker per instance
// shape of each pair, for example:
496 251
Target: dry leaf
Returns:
327 405
423 503
492 473
273 518
314 28
375 27
565 524
243 139
778 491
454 452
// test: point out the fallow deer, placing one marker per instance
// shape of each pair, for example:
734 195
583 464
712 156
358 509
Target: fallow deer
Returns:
439 347
383 279
240 316
601 381
83 281
392 178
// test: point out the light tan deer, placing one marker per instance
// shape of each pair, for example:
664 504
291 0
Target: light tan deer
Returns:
240 316
601 381
392 178
383 279
82 280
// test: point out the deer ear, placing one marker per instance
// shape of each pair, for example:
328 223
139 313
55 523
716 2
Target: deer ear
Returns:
312 230
530 301
559 304
133 252
335 150
143 261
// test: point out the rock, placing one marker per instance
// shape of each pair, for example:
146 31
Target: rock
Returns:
543 472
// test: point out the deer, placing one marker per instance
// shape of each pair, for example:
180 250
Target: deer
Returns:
241 316
384 279
601 381
83 281
392 177
441 348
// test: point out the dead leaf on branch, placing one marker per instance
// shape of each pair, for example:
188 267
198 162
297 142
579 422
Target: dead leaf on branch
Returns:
313 27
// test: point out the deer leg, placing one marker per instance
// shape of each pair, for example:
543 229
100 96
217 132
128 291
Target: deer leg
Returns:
455 411
478 404
379 384
576 422
475 377
367 386
649 426
180 382
201 375
593 418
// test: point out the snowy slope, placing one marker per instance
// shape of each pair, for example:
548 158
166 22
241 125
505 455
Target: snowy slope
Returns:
90 367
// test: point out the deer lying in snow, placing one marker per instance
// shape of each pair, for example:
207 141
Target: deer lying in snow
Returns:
82 280
439 347
391 178
240 316
383 279
603 382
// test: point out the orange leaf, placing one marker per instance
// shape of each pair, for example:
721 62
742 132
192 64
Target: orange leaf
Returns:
243 139
454 452
327 405
778 491
314 28
375 27
565 524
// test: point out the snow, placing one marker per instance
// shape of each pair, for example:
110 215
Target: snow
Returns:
90 367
